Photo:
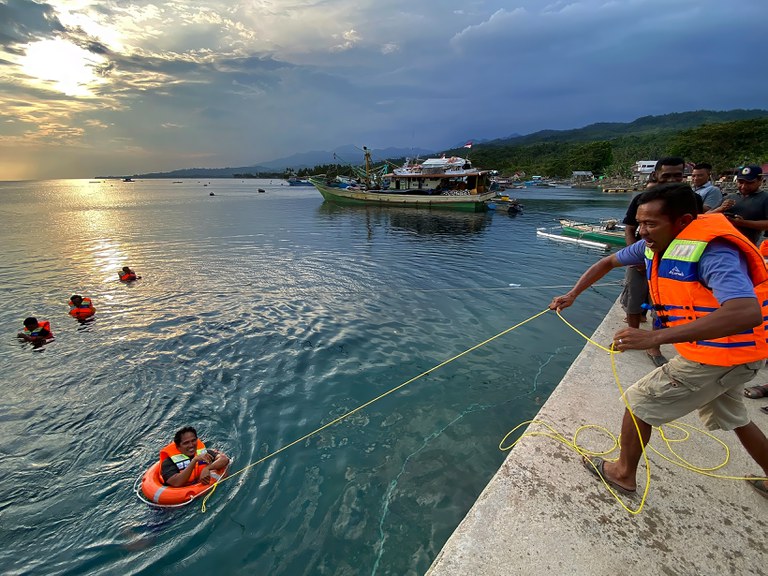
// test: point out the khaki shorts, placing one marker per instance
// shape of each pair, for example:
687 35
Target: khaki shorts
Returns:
681 386
635 292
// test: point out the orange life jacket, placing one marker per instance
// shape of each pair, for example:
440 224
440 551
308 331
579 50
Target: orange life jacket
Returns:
764 248
182 460
40 325
84 310
680 297
128 276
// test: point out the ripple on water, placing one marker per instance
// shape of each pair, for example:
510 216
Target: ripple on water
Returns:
259 318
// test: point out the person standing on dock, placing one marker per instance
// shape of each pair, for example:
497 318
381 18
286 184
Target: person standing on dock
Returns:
701 180
709 284
748 210
634 296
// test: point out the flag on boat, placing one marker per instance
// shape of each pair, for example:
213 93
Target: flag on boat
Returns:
468 144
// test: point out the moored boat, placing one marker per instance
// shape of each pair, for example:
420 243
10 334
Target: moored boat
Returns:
294 181
607 231
450 183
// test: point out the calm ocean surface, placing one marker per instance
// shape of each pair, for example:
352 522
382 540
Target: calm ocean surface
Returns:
259 318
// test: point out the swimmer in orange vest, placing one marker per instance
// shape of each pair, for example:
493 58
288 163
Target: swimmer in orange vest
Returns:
36 332
127 275
186 460
81 308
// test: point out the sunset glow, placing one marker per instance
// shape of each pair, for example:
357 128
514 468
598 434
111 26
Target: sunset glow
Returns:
62 66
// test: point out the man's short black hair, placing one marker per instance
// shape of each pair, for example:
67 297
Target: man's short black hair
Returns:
678 199
31 321
669 161
703 166
180 433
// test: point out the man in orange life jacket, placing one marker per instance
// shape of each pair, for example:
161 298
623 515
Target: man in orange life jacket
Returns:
186 460
708 283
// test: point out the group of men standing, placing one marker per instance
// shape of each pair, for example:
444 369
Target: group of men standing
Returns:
693 261
747 211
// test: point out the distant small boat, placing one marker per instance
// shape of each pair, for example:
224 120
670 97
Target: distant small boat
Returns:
178 182
127 180
293 181
211 194
262 190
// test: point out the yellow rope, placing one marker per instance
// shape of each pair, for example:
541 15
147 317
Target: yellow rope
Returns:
376 399
676 459
553 434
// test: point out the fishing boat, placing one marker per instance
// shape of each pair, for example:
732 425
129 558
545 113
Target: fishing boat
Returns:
606 231
450 183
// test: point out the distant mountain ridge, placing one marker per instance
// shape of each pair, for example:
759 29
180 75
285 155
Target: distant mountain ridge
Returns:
348 154
600 131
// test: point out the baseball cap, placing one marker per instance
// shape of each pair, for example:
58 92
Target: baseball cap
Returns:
749 173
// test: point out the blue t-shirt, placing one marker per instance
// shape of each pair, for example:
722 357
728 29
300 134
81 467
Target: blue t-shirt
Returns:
722 267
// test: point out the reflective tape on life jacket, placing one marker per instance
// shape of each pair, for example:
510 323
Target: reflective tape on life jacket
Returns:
680 297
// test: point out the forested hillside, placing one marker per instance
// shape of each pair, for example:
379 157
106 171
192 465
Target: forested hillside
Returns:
725 145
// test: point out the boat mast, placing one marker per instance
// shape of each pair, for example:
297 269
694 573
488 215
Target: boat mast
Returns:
367 167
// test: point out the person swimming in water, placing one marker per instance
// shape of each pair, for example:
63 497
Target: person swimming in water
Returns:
81 308
37 333
186 460
127 275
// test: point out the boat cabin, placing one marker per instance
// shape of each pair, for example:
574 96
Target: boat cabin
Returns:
453 175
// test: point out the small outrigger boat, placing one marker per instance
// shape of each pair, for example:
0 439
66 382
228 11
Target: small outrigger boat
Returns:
607 231
435 183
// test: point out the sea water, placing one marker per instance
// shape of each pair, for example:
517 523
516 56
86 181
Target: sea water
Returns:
259 318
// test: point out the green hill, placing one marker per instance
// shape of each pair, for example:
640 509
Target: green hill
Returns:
724 139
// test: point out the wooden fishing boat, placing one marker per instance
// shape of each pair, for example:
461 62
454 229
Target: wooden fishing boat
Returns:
450 183
607 231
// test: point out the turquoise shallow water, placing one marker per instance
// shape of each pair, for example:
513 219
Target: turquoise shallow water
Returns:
259 318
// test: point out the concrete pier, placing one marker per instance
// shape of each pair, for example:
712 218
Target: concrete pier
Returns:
544 514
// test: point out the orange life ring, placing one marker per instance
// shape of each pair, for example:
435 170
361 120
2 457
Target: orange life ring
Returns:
160 494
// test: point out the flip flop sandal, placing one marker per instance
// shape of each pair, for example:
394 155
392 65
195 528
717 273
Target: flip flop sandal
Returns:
658 360
756 391
597 467
757 485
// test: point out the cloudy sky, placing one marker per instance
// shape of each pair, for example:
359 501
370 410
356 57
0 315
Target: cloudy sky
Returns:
93 87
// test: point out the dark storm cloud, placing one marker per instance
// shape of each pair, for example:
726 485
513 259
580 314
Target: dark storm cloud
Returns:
23 20
243 81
